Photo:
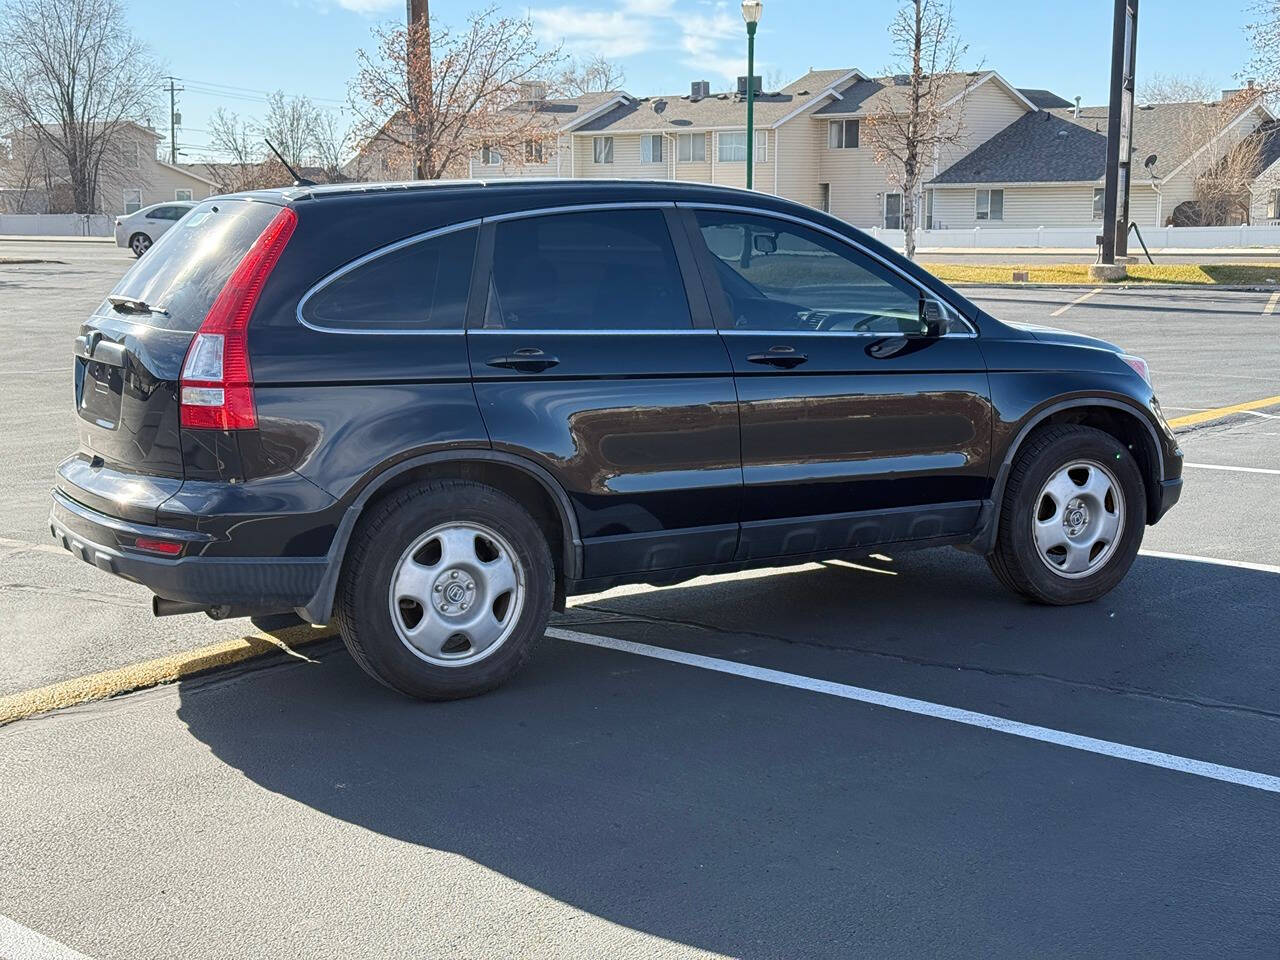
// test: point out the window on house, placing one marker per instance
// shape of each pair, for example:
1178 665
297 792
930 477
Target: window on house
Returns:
893 211
129 152
732 147
1273 205
1099 202
651 148
762 146
533 151
824 197
928 209
132 199
842 134
990 205
182 194
489 156
602 149
691 148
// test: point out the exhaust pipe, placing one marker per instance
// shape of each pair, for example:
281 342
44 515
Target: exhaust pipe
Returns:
161 607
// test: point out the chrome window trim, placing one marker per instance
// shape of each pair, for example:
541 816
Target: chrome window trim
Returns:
580 208
374 255
647 331
778 215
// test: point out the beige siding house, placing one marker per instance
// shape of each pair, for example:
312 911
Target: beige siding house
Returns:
131 176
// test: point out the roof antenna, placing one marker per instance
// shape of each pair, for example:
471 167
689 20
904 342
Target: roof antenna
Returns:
297 180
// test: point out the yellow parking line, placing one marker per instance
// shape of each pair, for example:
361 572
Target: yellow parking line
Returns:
150 673
1217 413
1065 307
1271 304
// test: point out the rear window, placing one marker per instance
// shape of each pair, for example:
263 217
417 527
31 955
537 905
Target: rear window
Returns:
421 286
185 269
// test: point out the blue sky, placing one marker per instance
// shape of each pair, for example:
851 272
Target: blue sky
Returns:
234 50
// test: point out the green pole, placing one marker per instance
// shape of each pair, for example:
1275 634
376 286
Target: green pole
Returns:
751 97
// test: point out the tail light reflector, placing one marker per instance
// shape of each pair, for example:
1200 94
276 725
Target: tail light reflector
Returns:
169 548
216 389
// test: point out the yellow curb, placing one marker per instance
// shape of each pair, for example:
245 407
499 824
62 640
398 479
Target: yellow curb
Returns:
1204 416
150 673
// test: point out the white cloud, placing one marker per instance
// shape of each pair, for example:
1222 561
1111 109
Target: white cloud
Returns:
613 33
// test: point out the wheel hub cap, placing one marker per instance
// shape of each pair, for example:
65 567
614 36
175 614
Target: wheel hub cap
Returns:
455 592
1079 519
1076 517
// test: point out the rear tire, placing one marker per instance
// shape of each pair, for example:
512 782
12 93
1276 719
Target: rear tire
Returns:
1072 517
447 587
139 243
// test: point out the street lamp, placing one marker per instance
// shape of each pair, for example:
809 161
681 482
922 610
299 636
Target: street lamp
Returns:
751 11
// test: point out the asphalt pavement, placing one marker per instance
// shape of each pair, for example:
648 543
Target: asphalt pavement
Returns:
732 773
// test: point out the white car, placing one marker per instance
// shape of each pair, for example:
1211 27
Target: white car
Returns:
140 229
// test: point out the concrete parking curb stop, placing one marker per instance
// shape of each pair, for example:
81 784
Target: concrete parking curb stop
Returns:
150 673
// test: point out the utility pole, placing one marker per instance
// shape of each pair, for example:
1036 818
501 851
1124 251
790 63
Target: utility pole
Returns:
173 120
418 15
1115 203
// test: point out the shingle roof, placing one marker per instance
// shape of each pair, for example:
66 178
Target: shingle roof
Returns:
559 111
881 95
1043 99
674 113
1053 146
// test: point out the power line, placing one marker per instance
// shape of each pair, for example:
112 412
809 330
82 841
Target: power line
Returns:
250 93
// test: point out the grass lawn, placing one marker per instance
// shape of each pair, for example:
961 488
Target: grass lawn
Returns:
1188 273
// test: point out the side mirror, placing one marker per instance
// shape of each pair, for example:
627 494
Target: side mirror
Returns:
933 318
765 243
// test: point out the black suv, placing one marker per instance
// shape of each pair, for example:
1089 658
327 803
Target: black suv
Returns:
429 412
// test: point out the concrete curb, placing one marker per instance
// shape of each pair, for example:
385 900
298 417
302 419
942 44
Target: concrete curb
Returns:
39 238
1117 285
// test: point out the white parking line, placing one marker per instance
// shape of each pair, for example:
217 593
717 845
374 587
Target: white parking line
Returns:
1192 558
1219 466
1271 304
925 708
22 943
1065 307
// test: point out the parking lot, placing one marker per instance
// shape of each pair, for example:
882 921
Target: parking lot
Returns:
894 758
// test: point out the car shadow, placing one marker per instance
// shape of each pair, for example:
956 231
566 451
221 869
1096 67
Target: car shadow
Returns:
753 820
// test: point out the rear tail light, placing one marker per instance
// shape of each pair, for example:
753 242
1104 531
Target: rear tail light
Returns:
216 390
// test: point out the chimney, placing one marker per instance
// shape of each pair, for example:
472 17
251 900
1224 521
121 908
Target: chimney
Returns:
699 89
532 91
1076 111
742 85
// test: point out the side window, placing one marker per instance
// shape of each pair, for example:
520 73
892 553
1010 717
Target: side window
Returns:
782 276
419 287
605 270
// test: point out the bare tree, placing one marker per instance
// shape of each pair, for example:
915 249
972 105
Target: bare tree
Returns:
1263 31
1223 156
910 133
589 75
435 97
237 140
305 134
73 73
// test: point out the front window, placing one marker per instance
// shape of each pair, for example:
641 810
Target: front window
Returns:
651 148
533 151
1099 202
777 275
928 209
733 147
181 194
893 211
132 199
691 148
129 152
596 270
990 205
842 134
489 156
602 149
1273 205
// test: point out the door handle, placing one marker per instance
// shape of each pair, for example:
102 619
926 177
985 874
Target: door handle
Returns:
525 359
784 357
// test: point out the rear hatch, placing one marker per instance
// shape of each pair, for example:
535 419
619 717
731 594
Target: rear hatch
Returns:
129 356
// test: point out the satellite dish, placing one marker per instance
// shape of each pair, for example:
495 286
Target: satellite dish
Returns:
1150 161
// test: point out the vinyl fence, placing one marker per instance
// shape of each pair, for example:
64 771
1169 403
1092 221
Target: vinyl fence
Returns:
56 225
1083 238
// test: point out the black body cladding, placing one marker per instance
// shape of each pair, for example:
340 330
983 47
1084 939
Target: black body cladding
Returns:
602 347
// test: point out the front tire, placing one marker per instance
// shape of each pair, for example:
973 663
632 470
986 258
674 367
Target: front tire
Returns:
139 243
447 588
1072 517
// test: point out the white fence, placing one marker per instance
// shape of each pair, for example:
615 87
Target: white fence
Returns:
1083 238
56 224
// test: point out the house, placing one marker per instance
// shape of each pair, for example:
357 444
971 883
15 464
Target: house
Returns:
131 176
809 137
1048 168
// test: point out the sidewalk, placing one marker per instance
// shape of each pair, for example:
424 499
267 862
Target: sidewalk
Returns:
46 238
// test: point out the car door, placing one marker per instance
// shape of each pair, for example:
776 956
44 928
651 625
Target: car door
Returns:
595 357
160 220
856 427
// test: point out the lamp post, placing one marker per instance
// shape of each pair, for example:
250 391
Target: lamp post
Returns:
751 10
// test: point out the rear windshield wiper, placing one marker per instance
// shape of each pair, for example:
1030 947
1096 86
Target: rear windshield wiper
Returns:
124 304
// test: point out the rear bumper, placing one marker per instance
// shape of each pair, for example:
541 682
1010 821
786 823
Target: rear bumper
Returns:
265 584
